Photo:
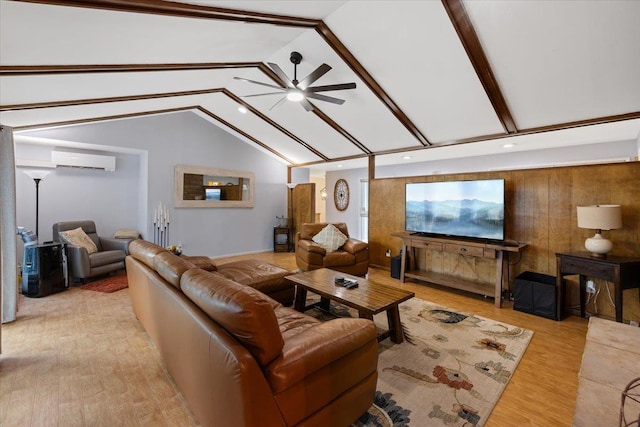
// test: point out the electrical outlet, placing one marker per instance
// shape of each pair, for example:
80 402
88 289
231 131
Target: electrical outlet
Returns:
591 287
388 253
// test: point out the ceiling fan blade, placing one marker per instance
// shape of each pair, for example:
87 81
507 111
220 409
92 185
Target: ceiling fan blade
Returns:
259 83
284 98
306 104
342 86
325 98
261 94
281 74
315 75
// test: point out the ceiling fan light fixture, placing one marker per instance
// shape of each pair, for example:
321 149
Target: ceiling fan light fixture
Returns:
295 95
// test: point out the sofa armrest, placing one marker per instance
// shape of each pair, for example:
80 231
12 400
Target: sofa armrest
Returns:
310 246
78 259
317 347
110 244
354 246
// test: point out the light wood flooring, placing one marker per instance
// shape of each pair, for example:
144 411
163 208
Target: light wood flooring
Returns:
80 358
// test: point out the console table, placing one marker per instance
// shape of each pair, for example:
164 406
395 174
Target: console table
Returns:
458 246
623 272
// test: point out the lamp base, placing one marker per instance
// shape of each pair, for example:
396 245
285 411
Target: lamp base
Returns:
598 246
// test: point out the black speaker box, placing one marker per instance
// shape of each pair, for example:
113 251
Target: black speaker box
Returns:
396 263
42 270
535 293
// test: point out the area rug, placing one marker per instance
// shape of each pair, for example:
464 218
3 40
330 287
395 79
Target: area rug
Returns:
450 370
108 284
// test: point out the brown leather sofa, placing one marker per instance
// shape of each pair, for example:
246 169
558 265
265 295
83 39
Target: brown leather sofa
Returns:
239 357
351 258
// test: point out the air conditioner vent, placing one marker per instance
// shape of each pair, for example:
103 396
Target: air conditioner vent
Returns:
82 160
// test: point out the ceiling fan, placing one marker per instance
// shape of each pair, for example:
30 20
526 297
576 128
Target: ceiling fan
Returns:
299 91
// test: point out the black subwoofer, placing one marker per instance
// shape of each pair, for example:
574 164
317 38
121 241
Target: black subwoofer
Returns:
535 293
42 270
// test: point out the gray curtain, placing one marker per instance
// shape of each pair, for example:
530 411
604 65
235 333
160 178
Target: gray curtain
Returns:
8 239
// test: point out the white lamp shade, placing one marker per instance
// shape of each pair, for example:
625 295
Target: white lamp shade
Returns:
36 173
600 217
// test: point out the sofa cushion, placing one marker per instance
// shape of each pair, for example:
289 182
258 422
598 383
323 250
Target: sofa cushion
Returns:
202 262
265 277
337 259
244 312
292 322
99 259
78 237
145 251
330 238
171 267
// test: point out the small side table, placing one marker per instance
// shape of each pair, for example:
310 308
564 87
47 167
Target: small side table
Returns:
623 272
280 239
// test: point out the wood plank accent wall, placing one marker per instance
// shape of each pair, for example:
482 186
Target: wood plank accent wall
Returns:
540 210
193 187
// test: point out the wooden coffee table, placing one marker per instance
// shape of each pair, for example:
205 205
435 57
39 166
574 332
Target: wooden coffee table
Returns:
369 298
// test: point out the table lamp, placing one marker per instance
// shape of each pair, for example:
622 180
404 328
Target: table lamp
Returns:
599 217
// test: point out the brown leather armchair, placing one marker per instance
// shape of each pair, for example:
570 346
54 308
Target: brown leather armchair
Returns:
351 258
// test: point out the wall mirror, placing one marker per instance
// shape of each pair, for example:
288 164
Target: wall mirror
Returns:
203 187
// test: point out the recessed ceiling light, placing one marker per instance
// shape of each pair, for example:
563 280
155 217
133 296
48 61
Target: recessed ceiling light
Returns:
406 157
508 145
340 165
243 109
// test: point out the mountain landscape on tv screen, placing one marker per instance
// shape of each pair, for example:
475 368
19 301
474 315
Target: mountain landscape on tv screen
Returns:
468 217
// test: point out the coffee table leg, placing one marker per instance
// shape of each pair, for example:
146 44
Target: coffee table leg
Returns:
301 299
365 315
395 327
325 304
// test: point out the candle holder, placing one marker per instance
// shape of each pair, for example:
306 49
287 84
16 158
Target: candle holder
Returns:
161 226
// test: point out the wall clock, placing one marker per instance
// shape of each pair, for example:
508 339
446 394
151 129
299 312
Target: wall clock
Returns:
341 195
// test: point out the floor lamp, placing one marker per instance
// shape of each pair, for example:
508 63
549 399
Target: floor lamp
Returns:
37 175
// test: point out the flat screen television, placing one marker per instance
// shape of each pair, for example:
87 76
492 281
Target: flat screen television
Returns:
212 193
473 209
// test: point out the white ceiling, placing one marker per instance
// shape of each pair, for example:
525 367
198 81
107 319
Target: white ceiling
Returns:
568 68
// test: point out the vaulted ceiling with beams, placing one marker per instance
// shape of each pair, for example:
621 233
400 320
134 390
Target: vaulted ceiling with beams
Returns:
428 74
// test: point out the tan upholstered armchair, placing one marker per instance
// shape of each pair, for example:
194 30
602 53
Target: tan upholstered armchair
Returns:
351 258
81 265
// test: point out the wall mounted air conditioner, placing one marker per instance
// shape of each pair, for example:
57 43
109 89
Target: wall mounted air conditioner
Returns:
82 160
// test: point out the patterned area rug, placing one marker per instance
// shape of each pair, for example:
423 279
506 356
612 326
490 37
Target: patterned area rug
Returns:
108 284
450 370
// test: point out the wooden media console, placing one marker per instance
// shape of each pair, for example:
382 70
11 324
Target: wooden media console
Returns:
464 247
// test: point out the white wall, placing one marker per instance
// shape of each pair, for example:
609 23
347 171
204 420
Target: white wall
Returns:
68 194
351 215
168 140
515 160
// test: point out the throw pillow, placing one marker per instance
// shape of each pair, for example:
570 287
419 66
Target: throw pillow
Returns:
126 233
330 238
79 238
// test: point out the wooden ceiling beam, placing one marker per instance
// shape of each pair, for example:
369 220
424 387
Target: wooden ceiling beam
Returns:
24 70
344 53
74 102
184 10
102 118
267 119
244 134
461 22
